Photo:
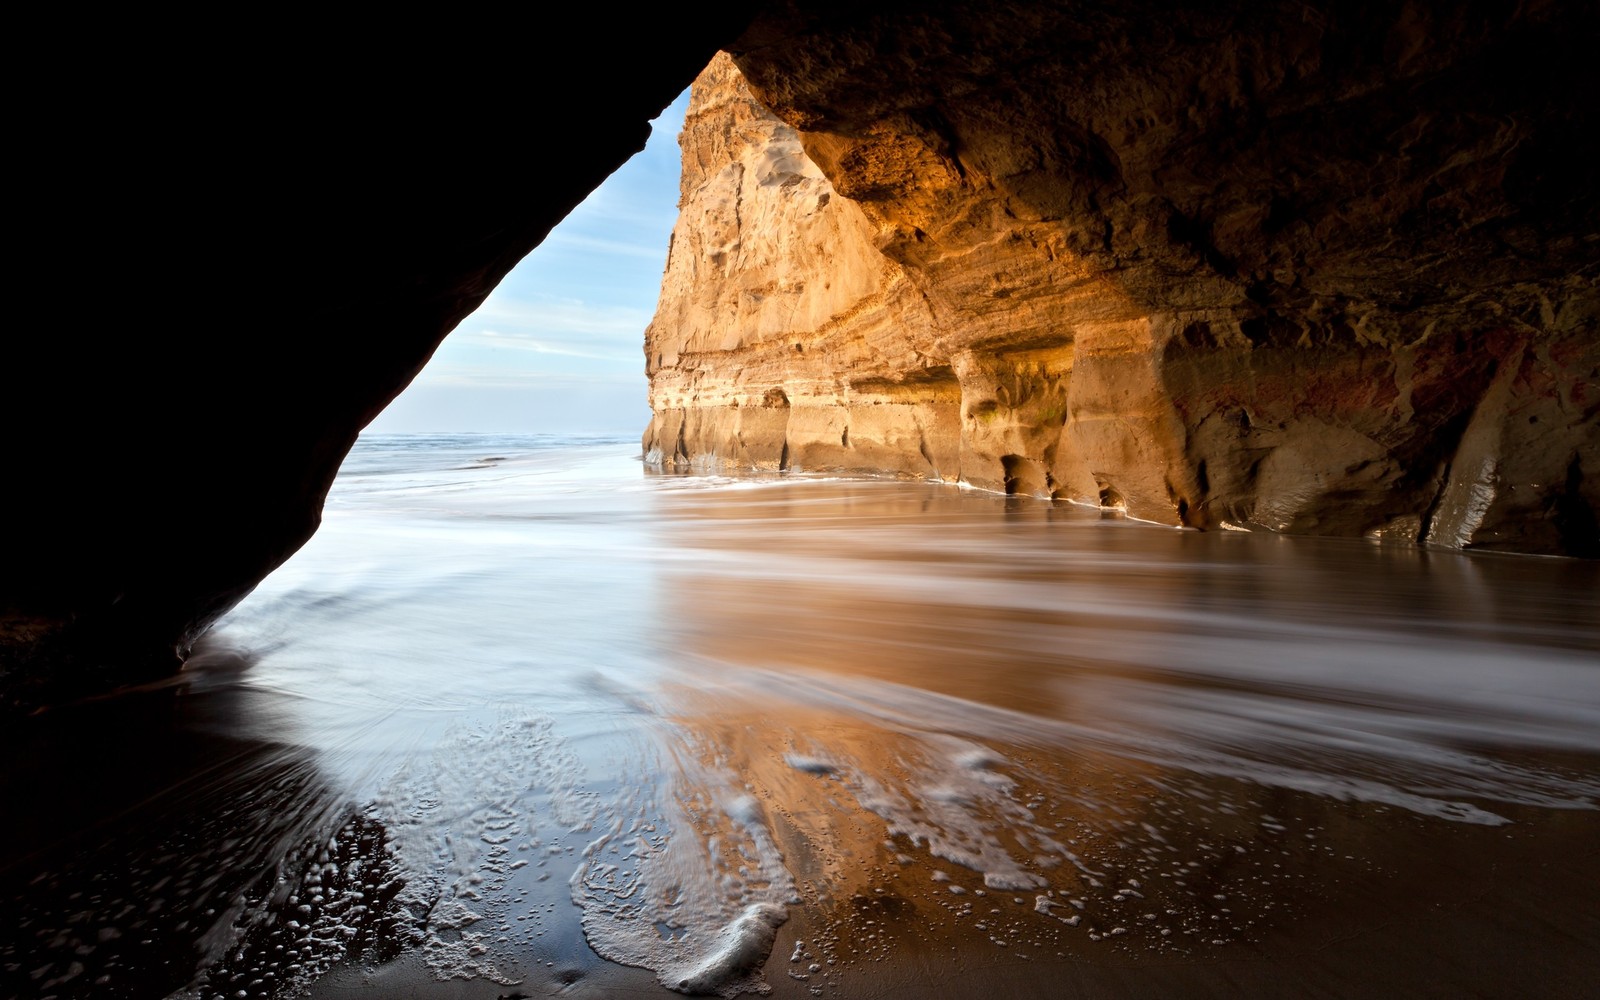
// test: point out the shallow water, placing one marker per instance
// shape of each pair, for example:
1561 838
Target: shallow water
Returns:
524 718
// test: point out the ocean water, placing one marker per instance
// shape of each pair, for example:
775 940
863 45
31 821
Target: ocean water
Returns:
525 718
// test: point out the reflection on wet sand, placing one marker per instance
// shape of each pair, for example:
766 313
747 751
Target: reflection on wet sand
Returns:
1245 767
947 865
536 728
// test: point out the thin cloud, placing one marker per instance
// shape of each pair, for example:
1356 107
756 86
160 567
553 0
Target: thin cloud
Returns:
647 250
491 377
554 317
625 211
530 342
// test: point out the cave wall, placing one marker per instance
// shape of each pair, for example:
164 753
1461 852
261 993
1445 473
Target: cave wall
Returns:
1308 268
1312 266
235 244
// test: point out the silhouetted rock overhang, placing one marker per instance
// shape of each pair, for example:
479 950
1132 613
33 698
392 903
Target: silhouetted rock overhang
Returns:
234 254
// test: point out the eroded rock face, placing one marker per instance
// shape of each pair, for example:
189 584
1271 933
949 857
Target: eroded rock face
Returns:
783 338
1317 267
1310 269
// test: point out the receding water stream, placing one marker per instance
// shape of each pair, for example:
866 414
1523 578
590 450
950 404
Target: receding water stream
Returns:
524 719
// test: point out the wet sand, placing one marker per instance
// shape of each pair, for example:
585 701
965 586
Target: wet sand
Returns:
500 731
1317 898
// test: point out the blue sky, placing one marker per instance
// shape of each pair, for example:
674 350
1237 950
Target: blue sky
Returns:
558 347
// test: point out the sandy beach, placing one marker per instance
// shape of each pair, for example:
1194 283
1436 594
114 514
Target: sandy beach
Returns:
552 726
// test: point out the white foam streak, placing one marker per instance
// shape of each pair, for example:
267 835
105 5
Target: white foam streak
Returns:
1408 770
691 885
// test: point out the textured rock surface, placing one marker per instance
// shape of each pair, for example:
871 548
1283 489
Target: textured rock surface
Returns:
783 338
1307 268
1320 267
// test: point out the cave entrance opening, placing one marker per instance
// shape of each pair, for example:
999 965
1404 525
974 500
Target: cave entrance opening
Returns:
556 349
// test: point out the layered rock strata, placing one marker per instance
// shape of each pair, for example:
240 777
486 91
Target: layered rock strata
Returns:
1316 271
1315 266
783 338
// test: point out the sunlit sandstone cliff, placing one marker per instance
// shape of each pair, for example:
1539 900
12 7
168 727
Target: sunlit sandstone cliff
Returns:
1313 283
783 338
1322 265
